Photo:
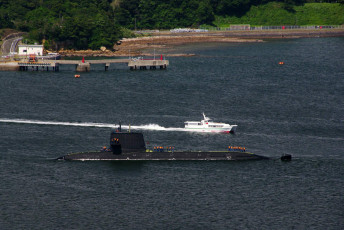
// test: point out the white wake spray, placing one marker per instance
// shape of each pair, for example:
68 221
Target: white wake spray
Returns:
90 124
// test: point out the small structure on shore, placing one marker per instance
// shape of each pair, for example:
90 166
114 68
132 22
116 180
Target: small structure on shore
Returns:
30 50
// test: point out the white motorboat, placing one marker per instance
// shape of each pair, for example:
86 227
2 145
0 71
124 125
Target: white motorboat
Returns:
207 125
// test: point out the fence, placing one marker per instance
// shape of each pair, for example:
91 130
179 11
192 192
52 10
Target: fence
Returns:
248 27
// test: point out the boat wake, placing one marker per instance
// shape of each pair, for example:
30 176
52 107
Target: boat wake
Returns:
90 124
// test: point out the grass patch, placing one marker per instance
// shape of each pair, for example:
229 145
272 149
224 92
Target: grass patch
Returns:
274 14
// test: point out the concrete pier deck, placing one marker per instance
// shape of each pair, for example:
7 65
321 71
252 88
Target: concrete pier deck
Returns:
82 66
144 64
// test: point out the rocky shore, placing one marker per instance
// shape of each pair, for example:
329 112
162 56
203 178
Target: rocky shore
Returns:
161 41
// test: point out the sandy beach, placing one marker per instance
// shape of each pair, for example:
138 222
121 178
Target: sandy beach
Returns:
165 41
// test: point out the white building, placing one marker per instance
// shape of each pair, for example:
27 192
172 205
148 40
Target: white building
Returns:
30 49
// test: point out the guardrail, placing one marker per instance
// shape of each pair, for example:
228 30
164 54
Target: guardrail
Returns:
245 27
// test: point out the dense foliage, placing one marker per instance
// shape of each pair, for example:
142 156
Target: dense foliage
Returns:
151 14
77 24
83 24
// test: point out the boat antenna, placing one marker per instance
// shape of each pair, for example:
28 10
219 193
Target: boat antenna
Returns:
206 118
120 127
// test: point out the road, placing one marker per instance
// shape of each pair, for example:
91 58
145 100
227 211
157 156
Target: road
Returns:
9 45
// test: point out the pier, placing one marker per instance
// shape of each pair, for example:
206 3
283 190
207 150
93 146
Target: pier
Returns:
144 64
25 66
82 65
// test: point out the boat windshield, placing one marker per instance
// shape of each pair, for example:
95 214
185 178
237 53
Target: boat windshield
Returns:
192 123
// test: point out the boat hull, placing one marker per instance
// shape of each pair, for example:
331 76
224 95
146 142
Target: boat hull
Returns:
208 126
231 129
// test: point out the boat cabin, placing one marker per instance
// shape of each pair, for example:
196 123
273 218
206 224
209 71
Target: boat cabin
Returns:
192 123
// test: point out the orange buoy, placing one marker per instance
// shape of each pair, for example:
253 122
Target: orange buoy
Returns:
76 75
281 63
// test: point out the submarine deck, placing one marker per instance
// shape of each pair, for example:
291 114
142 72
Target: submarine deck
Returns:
163 156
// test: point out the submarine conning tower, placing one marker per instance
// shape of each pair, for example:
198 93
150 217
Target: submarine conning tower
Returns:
122 142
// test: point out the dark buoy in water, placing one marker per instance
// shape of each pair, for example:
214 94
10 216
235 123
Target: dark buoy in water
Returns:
286 157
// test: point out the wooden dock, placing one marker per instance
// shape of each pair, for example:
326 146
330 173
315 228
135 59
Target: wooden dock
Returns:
84 65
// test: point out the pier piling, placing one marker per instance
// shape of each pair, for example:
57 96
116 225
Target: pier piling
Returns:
83 67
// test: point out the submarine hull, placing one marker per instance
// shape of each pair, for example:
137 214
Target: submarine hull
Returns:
163 156
126 146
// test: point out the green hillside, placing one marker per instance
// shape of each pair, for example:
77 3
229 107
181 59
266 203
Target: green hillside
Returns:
90 24
273 13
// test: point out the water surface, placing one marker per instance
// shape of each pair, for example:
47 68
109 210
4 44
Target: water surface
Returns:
295 108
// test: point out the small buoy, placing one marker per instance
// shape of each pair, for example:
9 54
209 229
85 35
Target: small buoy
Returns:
76 75
286 157
281 63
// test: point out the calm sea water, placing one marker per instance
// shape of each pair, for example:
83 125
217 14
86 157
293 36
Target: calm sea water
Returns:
295 108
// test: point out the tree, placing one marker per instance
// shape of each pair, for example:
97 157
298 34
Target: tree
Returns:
233 7
205 14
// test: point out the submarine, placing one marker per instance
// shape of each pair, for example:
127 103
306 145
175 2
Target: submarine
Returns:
130 146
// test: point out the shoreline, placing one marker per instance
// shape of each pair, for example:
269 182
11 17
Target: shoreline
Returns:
164 41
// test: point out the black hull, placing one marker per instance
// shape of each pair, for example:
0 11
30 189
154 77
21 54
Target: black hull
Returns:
163 156
127 146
